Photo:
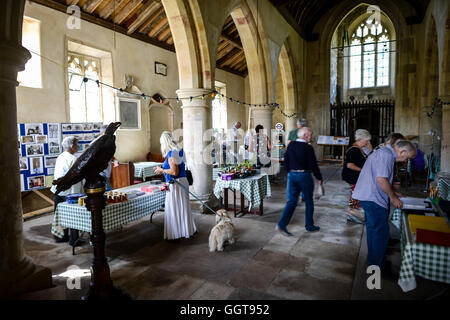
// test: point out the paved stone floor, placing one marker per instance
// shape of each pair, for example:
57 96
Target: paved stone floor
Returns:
262 264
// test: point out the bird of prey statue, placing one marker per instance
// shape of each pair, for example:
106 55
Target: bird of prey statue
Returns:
92 161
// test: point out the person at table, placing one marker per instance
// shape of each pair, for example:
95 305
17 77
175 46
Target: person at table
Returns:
293 134
232 142
260 143
354 160
63 163
178 219
300 161
374 190
391 139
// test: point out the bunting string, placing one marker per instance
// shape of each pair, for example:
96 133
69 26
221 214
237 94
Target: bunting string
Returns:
211 93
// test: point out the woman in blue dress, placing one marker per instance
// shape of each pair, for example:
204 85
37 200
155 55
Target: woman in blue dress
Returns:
178 219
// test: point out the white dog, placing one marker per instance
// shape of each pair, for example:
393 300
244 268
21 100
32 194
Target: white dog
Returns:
221 232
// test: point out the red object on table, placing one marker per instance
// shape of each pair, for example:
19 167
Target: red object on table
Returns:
433 237
150 189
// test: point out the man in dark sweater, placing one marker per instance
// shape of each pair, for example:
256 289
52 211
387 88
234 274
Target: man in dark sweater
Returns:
300 161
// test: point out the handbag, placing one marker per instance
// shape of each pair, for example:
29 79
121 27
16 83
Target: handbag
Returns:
189 177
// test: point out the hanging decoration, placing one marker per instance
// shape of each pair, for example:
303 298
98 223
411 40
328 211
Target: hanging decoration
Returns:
213 93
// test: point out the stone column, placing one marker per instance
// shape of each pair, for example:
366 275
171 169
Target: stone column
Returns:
197 138
262 116
291 124
17 272
445 142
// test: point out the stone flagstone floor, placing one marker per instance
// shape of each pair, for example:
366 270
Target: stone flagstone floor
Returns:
262 264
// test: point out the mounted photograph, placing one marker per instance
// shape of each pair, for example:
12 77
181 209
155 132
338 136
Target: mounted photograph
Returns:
36 182
34 150
34 128
36 165
23 163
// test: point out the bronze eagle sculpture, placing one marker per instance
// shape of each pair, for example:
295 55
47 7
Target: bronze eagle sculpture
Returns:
92 161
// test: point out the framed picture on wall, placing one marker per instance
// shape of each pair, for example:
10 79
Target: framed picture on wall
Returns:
160 68
128 112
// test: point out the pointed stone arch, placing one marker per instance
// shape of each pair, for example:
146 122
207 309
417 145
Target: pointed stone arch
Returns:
318 65
430 89
251 44
289 85
159 122
184 37
444 93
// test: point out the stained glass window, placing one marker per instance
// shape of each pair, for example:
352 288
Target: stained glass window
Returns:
369 56
355 64
84 97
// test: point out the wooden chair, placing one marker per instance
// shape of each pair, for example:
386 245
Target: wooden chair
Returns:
155 157
122 175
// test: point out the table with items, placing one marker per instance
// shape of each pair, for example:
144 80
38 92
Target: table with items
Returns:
144 170
254 188
133 204
425 244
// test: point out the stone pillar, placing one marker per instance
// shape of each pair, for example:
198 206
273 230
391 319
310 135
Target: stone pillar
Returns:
197 138
445 142
17 272
291 124
263 116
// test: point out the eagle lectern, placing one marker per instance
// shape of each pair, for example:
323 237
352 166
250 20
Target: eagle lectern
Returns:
88 165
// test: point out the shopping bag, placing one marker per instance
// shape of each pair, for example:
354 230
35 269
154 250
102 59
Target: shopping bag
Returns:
319 192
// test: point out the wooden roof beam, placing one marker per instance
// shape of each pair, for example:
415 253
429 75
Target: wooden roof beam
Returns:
91 5
151 8
108 10
163 34
125 12
238 61
231 41
230 59
224 51
72 2
157 14
222 44
158 27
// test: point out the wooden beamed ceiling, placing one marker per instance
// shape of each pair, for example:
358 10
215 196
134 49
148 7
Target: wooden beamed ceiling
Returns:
146 20
303 15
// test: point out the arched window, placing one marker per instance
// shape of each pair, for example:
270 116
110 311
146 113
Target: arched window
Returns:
369 56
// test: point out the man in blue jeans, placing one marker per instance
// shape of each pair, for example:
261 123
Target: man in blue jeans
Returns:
300 161
374 191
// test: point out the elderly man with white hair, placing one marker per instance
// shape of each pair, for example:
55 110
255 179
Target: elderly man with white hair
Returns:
63 163
354 160
374 191
300 161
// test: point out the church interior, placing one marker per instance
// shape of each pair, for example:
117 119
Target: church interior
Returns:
212 75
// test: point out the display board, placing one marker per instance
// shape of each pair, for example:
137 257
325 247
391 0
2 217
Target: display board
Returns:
39 146
330 140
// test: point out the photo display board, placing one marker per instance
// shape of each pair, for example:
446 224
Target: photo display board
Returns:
39 146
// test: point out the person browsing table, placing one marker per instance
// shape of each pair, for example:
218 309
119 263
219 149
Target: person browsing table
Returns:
63 163
300 161
178 219
373 189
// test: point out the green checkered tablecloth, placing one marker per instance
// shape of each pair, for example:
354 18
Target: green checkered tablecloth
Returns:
144 170
444 189
253 188
114 215
421 259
